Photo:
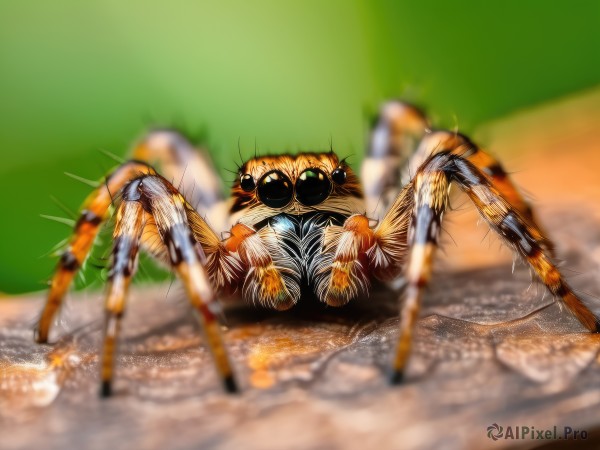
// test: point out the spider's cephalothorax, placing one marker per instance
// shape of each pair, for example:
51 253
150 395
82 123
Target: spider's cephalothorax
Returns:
294 185
290 202
298 223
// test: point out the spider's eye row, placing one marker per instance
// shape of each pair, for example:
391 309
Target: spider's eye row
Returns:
339 176
247 183
312 187
275 189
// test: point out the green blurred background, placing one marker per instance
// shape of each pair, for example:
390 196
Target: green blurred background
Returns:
76 77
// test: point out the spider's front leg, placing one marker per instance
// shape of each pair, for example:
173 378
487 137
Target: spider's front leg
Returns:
442 140
179 161
94 212
127 235
429 201
149 206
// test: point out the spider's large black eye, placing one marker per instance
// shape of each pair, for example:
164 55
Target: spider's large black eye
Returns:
275 189
312 187
247 183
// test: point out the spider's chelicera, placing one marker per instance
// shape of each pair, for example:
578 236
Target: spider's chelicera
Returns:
298 222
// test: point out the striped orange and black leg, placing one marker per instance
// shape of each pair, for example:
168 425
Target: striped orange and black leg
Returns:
431 197
168 209
93 213
457 143
127 234
447 141
178 159
430 201
522 235
395 133
493 170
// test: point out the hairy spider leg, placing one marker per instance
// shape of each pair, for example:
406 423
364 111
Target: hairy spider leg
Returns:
395 134
431 186
190 169
94 212
127 234
457 143
160 200
400 142
430 201
493 170
524 237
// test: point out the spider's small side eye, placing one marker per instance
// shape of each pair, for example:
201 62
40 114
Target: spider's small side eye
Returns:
275 189
339 176
247 183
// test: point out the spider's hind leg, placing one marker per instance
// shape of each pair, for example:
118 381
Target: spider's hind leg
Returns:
190 168
395 133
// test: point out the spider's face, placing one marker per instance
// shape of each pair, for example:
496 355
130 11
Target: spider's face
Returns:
294 183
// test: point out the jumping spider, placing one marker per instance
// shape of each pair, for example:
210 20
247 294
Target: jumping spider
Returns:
296 224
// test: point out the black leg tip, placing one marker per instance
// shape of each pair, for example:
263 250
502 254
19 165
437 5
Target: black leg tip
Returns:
37 337
230 384
106 389
397 377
